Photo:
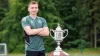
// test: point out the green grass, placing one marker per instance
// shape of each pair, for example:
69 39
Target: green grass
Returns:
69 54
16 55
74 52
84 54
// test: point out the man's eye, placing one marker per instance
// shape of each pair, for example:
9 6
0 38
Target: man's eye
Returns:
35 7
32 8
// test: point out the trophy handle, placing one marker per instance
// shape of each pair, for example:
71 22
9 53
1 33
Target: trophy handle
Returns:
50 32
66 33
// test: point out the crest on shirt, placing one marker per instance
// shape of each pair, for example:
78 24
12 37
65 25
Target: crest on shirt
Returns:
39 22
31 21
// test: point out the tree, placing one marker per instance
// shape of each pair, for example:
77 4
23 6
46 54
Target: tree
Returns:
96 18
3 8
11 30
81 18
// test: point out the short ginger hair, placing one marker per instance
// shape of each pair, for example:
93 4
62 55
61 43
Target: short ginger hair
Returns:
32 2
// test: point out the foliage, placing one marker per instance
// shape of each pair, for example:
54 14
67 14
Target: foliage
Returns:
81 18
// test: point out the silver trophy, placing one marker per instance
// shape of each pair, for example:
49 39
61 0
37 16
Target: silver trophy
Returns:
58 37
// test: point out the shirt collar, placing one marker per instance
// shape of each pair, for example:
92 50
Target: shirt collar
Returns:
33 17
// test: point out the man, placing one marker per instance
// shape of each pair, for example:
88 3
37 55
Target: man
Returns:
35 28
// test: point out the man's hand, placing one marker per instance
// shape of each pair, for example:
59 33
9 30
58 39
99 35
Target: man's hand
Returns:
44 32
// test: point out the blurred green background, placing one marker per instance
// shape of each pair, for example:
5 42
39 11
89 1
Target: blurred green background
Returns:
80 17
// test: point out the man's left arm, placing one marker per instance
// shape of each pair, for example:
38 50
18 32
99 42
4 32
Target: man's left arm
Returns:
44 32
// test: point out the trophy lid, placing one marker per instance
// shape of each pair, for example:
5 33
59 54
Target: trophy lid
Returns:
58 27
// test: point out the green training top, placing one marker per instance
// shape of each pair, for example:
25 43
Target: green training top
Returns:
34 42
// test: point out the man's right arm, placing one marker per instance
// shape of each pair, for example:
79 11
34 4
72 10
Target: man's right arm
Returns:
30 31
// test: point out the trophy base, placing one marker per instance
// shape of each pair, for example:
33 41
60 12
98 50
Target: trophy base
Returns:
58 53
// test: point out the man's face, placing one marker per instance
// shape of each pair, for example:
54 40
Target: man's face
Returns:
33 9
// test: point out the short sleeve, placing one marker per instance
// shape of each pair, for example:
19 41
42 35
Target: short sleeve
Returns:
24 22
44 23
